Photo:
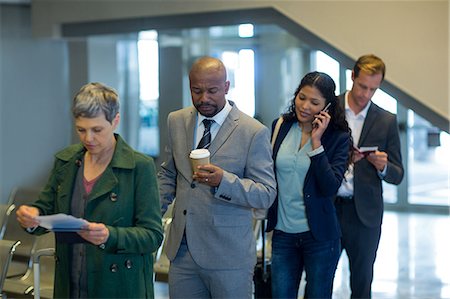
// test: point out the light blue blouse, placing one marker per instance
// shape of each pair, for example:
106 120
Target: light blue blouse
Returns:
292 165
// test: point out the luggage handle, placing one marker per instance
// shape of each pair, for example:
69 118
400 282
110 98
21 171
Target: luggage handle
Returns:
263 250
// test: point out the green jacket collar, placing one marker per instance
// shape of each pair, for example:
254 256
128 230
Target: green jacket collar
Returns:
123 154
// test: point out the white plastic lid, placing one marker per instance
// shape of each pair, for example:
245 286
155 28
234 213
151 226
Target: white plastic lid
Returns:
199 153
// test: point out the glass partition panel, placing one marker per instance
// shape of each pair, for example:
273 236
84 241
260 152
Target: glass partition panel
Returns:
429 163
148 140
327 64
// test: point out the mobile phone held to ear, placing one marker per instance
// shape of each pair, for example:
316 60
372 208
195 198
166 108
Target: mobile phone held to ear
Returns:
325 109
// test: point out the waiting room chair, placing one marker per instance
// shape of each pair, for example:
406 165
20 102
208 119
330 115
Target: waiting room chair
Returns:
42 257
22 261
7 249
162 263
43 273
5 212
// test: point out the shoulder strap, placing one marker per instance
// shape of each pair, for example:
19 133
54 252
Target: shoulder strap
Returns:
276 130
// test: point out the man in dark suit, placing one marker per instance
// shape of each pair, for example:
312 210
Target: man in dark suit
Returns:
359 202
211 245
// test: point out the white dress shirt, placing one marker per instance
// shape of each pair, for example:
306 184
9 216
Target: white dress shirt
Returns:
219 118
355 122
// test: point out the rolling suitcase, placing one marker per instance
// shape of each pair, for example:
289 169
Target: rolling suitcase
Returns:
262 275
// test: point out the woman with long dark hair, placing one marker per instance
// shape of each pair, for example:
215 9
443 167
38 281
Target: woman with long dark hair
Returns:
311 154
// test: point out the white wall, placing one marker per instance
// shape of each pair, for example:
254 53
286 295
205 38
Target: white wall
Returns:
411 36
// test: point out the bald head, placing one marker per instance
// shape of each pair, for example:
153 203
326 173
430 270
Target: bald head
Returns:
208 66
209 85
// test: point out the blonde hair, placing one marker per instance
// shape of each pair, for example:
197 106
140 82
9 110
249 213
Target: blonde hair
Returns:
369 64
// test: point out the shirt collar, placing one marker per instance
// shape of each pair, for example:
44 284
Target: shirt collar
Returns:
219 118
363 112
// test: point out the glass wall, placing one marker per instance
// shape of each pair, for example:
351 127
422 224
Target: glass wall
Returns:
148 55
265 64
429 163
241 73
326 64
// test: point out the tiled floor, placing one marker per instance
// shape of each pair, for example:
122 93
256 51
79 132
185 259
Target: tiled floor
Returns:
413 260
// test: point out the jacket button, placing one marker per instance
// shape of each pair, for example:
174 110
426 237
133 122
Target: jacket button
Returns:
184 212
192 185
128 264
113 196
114 268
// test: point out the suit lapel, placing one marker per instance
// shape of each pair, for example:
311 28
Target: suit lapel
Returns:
225 130
190 124
284 130
370 120
184 164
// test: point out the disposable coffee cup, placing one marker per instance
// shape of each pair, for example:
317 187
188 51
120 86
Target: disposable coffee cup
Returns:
199 157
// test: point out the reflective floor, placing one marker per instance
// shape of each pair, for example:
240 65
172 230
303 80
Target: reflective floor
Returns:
413 260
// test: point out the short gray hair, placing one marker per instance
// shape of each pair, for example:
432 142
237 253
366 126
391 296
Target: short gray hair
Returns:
95 98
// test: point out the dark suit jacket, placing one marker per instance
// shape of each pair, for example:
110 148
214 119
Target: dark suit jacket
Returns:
322 181
380 129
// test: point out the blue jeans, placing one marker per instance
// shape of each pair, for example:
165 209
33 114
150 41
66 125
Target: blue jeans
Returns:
293 253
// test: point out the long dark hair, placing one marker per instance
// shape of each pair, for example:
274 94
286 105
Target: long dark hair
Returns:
326 86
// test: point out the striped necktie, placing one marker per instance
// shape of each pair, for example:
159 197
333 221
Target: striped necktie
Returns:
206 138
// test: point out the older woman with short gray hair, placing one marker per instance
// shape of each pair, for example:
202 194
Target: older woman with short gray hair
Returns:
114 188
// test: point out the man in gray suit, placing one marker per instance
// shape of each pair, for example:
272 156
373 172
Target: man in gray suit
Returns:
359 203
211 243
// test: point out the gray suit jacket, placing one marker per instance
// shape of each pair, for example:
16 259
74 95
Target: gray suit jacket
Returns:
218 222
380 129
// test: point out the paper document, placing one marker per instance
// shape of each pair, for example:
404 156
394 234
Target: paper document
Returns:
61 223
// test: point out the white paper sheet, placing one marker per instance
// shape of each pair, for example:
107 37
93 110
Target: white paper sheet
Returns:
61 222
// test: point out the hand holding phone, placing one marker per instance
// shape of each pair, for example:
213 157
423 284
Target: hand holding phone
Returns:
366 150
325 109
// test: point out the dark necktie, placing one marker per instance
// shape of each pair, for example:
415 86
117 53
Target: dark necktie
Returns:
206 138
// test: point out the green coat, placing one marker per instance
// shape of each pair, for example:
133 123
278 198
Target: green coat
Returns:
126 200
